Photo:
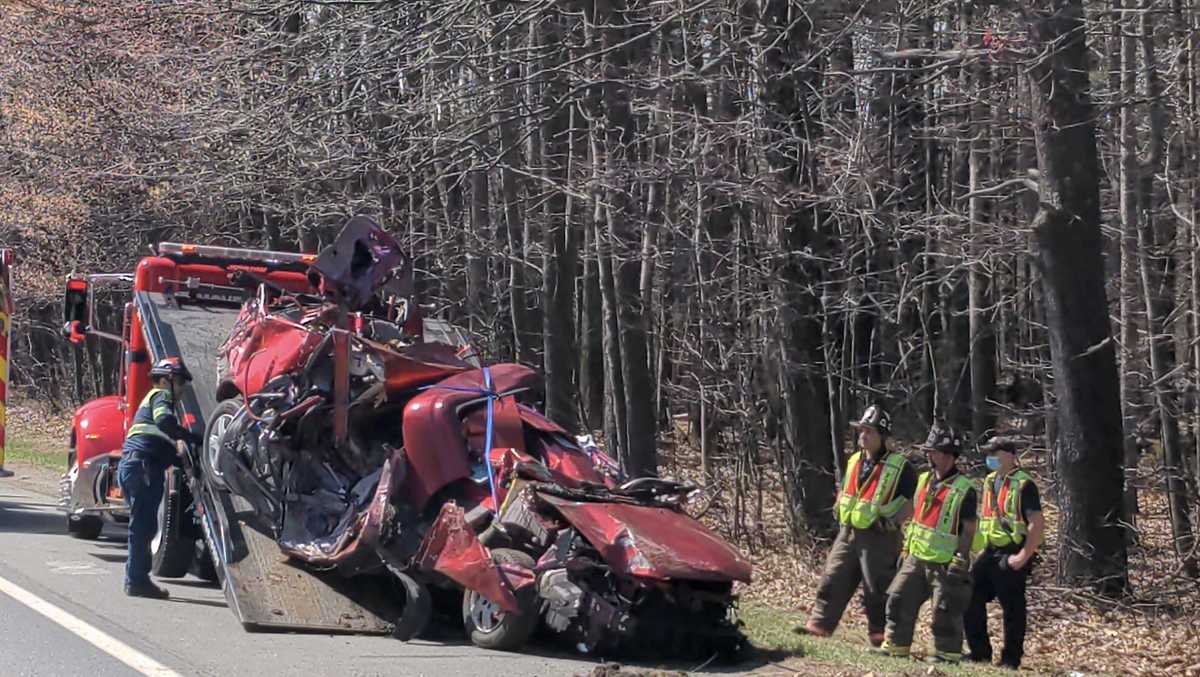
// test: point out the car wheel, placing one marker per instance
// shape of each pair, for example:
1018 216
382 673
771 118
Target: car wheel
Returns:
218 423
491 627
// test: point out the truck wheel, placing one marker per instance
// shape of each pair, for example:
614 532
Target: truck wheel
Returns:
489 626
173 546
85 527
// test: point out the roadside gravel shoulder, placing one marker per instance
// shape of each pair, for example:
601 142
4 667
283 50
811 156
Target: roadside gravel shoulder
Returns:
33 477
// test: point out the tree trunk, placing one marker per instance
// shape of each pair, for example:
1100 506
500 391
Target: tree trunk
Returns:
1069 244
558 255
797 227
477 242
1177 492
615 432
1160 308
591 333
637 392
1129 239
982 339
510 188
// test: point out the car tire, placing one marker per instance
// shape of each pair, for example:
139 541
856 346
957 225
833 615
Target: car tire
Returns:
492 628
174 546
217 423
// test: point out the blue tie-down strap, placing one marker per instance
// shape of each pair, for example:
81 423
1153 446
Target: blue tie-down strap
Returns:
490 393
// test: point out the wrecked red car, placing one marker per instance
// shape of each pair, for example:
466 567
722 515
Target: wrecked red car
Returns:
364 450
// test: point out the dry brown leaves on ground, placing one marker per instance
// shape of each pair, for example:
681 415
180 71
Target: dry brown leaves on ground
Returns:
28 420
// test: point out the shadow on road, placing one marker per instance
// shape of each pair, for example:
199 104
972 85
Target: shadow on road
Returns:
445 631
18 517
193 583
198 602
109 557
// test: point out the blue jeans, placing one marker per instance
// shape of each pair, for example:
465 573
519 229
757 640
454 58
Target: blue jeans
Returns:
142 484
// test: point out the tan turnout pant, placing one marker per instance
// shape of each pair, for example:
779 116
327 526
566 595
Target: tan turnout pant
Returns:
866 556
915 583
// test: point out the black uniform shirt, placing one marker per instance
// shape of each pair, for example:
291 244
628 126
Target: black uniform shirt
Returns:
1031 500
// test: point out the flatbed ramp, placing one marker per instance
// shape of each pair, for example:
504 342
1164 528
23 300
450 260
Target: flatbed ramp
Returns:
264 589
268 592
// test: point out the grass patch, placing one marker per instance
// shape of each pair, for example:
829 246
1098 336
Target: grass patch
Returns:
37 453
772 631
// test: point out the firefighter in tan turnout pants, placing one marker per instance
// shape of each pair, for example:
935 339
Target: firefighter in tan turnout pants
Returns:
938 547
875 499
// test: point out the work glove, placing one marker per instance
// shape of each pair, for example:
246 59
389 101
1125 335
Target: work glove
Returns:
959 567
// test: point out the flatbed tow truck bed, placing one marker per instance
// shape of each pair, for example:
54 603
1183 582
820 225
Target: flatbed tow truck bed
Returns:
264 589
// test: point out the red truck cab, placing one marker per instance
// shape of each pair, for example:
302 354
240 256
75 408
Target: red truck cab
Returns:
198 274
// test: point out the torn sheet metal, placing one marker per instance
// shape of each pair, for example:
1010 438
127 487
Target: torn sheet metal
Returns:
451 549
362 263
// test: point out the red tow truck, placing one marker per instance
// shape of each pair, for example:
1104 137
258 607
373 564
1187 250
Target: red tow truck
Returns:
185 301
182 301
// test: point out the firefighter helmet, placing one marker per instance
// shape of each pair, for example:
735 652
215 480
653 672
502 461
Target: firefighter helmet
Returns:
875 417
943 438
172 367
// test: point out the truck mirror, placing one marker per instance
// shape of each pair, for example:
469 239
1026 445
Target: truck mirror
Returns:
76 313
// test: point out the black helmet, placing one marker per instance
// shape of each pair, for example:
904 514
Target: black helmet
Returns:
942 438
172 367
875 416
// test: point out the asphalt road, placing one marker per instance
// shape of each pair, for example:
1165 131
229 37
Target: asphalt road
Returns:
193 633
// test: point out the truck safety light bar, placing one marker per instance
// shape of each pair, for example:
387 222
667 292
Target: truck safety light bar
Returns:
262 256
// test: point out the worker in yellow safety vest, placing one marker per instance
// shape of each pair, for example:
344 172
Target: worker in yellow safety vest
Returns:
875 499
1009 535
938 547
149 449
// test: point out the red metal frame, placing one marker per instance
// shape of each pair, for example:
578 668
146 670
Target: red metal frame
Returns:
111 415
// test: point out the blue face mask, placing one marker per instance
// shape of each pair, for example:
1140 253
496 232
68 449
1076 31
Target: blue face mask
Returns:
993 462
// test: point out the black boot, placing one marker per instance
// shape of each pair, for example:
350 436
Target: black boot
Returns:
146 589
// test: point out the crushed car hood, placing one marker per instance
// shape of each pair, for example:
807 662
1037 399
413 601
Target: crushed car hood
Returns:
653 542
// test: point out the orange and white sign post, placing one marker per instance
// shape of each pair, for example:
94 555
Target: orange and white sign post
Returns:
6 310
